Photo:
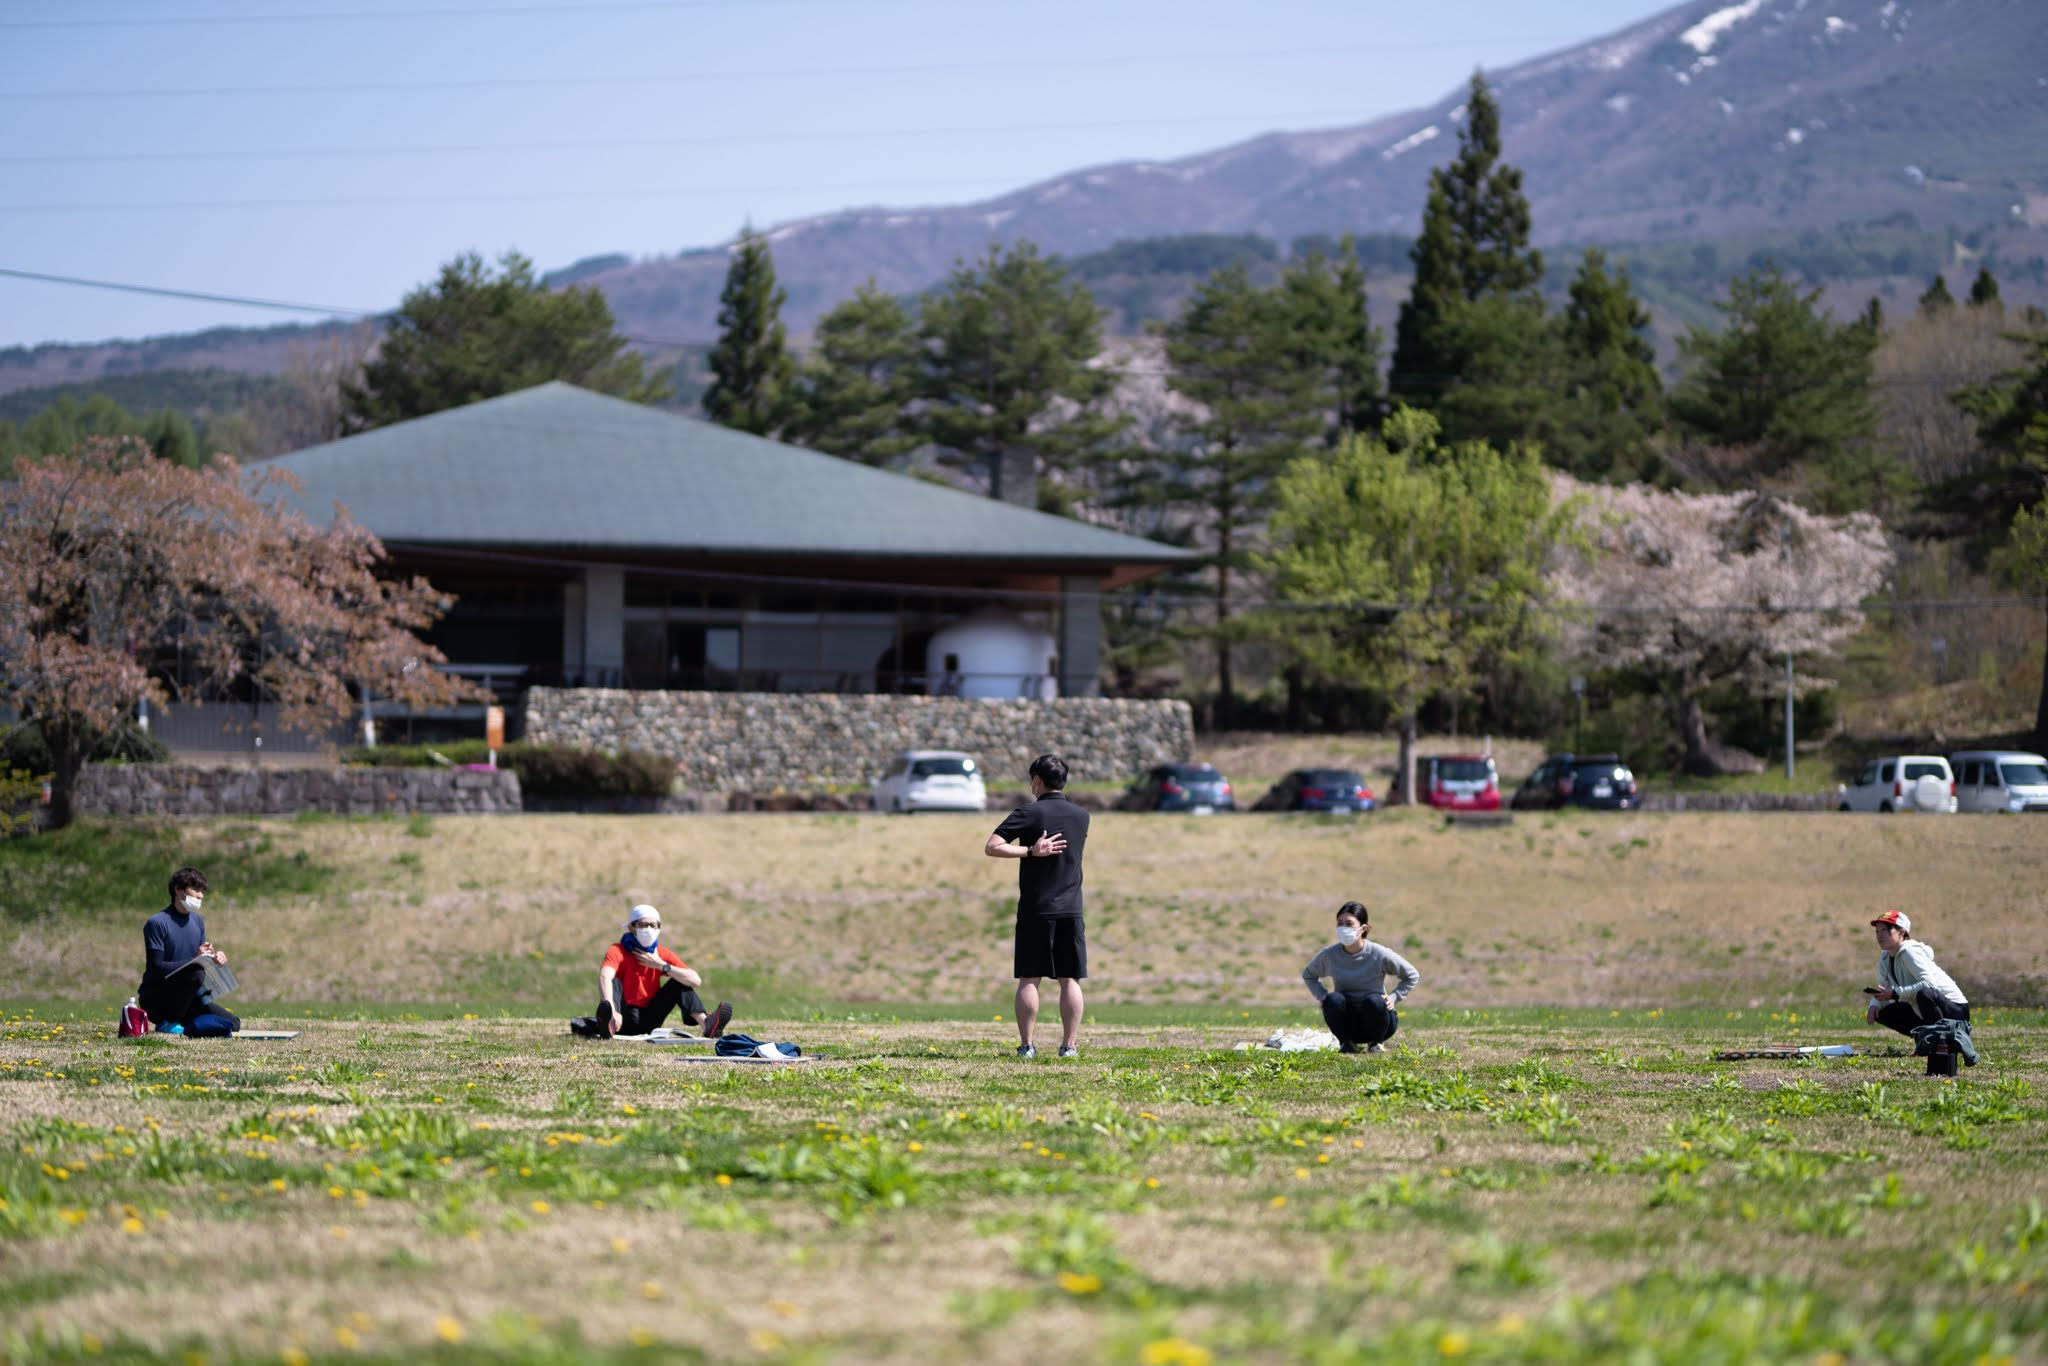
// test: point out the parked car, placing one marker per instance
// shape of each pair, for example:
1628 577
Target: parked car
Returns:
1902 782
2000 780
930 780
1459 782
1197 788
1599 781
1319 789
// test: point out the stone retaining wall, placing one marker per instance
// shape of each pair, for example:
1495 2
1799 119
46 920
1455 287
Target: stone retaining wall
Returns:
1741 801
180 790
763 742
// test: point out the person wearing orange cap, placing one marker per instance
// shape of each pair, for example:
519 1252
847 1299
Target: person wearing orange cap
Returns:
1911 988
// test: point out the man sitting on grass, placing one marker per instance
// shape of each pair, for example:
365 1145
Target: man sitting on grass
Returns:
641 981
175 951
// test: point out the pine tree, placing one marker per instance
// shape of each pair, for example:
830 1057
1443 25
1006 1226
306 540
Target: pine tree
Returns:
1006 346
854 390
1474 245
1937 297
1792 386
1264 387
1873 316
1984 289
1614 400
1328 328
751 368
474 334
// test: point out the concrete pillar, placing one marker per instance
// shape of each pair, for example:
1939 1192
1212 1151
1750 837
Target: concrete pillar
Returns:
1080 636
604 625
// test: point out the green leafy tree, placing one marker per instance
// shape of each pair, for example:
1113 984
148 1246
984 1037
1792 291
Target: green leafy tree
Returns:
1474 245
751 368
853 391
1984 289
66 423
1613 401
2023 559
1413 563
474 334
1262 390
1936 297
1790 386
1004 376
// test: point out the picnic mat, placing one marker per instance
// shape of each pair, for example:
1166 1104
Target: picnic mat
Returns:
744 1059
1787 1050
665 1035
265 1034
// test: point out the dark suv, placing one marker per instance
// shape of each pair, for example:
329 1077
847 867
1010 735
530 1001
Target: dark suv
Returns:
1319 789
1600 781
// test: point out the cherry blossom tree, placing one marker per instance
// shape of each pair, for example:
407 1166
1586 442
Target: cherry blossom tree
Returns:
108 555
1704 589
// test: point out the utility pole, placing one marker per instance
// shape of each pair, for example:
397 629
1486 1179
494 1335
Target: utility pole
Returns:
1785 558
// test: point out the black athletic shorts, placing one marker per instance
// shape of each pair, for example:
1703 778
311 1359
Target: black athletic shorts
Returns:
1052 948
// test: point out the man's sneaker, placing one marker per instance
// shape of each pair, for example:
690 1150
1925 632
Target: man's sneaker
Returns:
1375 1048
583 1027
1069 1051
607 1019
1025 1050
717 1020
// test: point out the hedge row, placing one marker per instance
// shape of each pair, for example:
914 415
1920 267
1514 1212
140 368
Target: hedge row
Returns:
544 770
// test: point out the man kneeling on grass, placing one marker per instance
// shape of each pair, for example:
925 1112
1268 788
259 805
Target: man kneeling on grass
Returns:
641 981
175 952
1357 1008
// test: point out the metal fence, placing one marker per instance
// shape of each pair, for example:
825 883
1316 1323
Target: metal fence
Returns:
253 729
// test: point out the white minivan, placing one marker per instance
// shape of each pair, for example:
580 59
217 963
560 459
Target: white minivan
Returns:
930 780
1902 782
2000 780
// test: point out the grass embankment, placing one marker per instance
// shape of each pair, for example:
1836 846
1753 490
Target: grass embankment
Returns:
1508 1185
795 913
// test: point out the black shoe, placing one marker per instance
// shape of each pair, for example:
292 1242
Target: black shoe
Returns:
717 1020
607 1019
583 1027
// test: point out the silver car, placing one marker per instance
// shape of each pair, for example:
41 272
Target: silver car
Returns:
1902 782
2000 780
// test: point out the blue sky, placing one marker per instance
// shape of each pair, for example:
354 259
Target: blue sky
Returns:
338 151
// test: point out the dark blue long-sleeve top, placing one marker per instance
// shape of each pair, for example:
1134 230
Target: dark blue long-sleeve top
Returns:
170 939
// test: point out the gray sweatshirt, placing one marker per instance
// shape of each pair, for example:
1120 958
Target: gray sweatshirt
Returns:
1912 972
1365 971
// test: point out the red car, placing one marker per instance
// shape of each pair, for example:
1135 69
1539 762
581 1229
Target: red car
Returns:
1459 782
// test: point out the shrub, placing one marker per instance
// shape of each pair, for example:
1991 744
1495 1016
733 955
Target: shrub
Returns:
544 770
24 747
21 794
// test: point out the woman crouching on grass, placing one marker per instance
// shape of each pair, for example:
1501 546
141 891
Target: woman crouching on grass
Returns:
1357 1008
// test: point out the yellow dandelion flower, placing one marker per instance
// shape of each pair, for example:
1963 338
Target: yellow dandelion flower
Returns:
1174 1351
1301 1173
650 1290
916 1147
539 1207
277 1183
1079 1283
447 1329
1151 1183
724 1179
621 1246
1452 1345
763 1340
1278 1202
293 1356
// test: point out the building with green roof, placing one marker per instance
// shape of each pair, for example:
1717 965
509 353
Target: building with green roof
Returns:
593 541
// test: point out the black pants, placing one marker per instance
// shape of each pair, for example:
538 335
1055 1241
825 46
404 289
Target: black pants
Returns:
646 1019
1358 1019
176 1000
1904 1016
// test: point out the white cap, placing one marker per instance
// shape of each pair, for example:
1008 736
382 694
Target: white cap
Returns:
642 912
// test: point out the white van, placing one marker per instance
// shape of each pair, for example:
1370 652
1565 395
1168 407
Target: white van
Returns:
2000 780
1902 782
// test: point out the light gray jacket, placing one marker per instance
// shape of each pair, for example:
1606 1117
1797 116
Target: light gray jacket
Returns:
1366 971
1912 971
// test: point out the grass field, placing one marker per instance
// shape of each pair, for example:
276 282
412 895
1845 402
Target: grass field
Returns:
1548 1166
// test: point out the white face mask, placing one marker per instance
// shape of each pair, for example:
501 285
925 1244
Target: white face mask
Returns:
1347 934
647 934
191 905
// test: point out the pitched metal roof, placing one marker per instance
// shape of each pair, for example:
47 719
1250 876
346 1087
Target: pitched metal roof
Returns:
559 466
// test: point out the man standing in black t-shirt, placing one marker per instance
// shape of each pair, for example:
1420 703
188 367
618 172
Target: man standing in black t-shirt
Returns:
1049 836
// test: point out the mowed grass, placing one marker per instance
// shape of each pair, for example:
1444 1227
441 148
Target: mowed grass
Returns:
792 913
1515 1185
1548 1166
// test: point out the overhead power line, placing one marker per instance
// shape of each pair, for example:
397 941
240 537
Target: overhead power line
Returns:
727 74
581 7
506 197
695 140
